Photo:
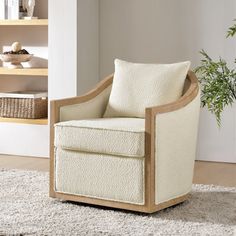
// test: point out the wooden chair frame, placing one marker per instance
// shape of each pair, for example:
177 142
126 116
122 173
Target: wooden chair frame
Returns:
190 93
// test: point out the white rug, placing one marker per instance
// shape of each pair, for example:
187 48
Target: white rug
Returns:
26 209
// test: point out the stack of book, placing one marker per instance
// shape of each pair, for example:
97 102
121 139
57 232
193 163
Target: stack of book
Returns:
11 9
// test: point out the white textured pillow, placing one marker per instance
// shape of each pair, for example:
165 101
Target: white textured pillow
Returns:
137 86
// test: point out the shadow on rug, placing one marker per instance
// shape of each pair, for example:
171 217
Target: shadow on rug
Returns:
26 209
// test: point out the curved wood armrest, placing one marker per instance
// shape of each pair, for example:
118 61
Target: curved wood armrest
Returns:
187 97
86 97
55 105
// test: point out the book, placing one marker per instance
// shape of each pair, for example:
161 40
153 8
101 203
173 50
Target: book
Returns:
24 94
13 9
3 9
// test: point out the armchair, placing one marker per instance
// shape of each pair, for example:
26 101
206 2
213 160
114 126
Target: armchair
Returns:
149 169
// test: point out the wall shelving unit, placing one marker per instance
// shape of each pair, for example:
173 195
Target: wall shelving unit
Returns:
69 73
25 121
37 22
25 71
27 137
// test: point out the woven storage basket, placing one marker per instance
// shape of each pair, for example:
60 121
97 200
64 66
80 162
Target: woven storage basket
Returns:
25 108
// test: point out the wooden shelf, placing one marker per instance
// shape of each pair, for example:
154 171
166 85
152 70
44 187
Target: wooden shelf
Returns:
25 71
25 121
37 22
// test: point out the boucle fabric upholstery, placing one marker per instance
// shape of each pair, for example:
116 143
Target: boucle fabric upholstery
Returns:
116 136
100 176
137 86
175 147
93 108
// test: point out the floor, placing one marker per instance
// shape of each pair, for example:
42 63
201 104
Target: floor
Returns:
223 174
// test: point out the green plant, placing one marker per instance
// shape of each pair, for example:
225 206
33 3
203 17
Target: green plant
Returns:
232 30
218 82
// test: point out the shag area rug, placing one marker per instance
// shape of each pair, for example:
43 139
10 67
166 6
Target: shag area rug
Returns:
26 209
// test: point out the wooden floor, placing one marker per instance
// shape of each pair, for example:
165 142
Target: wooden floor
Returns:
223 174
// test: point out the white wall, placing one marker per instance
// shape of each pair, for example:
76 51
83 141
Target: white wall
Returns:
139 30
87 45
74 47
164 30
62 49
24 139
170 31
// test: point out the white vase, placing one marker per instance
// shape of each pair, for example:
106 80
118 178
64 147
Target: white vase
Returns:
29 6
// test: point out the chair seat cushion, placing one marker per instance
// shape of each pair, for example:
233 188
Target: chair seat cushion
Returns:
116 136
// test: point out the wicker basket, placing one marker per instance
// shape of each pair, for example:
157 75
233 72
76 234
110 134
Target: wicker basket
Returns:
25 108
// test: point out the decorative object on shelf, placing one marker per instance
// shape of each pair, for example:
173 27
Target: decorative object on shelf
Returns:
29 6
16 47
13 12
218 82
17 9
16 56
22 11
24 104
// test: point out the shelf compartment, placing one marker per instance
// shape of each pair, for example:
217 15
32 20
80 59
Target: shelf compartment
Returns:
25 71
25 121
36 22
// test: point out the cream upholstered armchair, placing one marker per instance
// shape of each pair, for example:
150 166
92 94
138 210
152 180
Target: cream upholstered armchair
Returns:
137 163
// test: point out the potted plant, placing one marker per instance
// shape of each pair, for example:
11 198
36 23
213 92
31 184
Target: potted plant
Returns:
218 82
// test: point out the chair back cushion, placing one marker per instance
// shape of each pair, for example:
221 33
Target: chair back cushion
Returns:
138 86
